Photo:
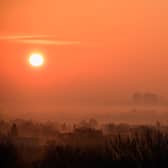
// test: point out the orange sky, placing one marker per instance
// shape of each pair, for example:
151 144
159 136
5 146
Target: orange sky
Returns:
103 50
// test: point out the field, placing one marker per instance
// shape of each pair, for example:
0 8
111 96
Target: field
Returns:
111 146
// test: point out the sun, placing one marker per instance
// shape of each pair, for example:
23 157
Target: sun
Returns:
36 59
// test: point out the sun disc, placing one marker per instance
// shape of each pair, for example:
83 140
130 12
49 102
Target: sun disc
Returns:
36 59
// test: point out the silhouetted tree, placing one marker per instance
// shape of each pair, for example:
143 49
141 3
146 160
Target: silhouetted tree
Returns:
14 130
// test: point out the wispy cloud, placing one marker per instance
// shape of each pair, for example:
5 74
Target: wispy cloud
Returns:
48 42
19 37
38 39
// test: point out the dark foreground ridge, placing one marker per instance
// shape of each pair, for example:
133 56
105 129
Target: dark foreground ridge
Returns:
144 147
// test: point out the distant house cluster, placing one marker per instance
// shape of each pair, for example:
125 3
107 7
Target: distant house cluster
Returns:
146 98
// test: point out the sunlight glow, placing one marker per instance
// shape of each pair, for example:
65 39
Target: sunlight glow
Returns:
36 59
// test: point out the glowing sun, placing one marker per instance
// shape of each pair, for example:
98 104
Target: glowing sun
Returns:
36 59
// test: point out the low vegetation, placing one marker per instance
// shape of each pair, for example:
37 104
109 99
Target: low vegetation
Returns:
147 147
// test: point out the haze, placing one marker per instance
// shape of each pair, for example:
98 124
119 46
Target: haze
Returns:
98 53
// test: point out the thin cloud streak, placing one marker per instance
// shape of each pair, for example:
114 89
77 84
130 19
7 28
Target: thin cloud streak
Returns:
38 39
19 37
49 42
